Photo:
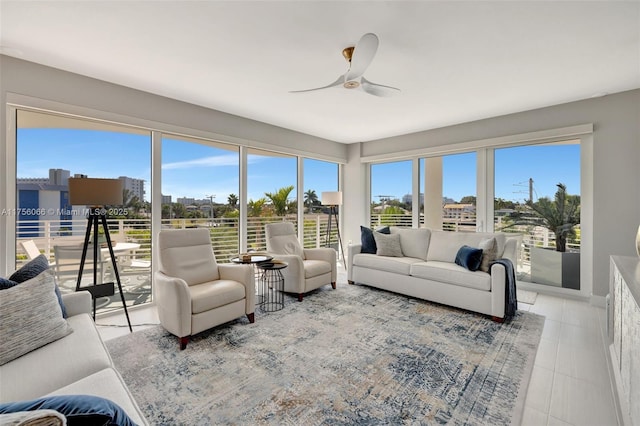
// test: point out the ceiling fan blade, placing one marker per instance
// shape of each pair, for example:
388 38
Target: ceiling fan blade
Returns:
378 89
363 54
338 82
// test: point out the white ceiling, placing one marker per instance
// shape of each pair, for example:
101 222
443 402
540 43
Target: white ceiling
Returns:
454 61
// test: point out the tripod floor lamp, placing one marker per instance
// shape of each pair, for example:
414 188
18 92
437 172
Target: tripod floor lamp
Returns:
333 199
96 194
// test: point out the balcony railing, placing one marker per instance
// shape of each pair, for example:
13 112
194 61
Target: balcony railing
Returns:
137 281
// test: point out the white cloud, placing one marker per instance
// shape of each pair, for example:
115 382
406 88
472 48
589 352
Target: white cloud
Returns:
214 161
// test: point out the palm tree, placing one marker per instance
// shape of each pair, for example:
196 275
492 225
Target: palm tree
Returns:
131 202
255 207
232 200
560 216
310 199
279 199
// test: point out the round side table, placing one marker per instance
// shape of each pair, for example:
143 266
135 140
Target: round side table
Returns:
254 259
272 286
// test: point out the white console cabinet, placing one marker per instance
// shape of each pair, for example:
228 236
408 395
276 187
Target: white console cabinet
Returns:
624 333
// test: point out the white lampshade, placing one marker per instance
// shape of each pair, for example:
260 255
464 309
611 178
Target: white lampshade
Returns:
332 198
95 192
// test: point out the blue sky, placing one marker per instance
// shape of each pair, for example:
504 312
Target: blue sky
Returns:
195 170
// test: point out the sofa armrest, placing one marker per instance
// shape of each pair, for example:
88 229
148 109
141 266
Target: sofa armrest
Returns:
498 289
243 274
77 303
326 254
352 250
173 300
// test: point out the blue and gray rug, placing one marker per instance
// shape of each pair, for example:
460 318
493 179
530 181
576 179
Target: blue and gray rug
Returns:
355 355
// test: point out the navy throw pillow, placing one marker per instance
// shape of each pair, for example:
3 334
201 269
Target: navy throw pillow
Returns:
80 410
469 257
31 270
367 240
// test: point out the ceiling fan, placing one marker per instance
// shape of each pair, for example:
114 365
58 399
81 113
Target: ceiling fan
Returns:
359 57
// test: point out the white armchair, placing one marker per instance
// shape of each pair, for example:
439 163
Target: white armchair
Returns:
308 268
194 293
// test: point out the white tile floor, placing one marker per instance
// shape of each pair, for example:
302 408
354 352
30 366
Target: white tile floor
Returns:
570 380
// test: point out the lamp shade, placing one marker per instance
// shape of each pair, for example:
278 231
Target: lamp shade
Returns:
95 192
332 198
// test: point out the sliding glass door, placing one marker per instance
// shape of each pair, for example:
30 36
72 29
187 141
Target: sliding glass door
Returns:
49 150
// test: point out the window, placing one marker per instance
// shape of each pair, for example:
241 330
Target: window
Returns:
391 194
526 184
271 193
49 150
319 176
200 187
449 195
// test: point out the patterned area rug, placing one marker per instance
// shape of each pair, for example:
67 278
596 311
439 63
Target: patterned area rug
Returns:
355 355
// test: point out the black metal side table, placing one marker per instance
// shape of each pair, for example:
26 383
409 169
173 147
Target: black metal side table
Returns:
272 286
253 259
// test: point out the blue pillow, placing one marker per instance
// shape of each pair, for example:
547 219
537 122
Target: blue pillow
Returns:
469 257
80 410
367 240
28 271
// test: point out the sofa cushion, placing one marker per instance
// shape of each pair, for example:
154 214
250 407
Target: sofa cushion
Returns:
444 245
397 265
413 241
469 258
367 240
489 248
450 273
57 364
388 245
211 295
31 317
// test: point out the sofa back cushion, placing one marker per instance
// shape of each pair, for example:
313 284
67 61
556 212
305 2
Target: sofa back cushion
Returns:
444 245
414 241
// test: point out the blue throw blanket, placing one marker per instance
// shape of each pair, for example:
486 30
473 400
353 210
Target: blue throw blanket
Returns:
510 297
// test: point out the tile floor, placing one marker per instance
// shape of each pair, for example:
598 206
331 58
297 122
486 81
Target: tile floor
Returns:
570 381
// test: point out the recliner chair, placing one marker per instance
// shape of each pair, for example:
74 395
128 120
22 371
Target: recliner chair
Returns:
308 268
192 291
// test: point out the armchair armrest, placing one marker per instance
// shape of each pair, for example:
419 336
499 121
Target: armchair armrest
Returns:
243 274
173 300
77 303
326 254
293 274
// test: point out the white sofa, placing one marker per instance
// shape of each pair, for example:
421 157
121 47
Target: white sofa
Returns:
77 364
428 270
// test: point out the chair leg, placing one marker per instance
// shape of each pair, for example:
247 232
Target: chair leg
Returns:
252 317
333 284
183 342
300 295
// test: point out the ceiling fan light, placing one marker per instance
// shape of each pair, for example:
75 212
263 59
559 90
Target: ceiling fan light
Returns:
351 84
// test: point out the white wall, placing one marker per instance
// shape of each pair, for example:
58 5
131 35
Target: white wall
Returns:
616 163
